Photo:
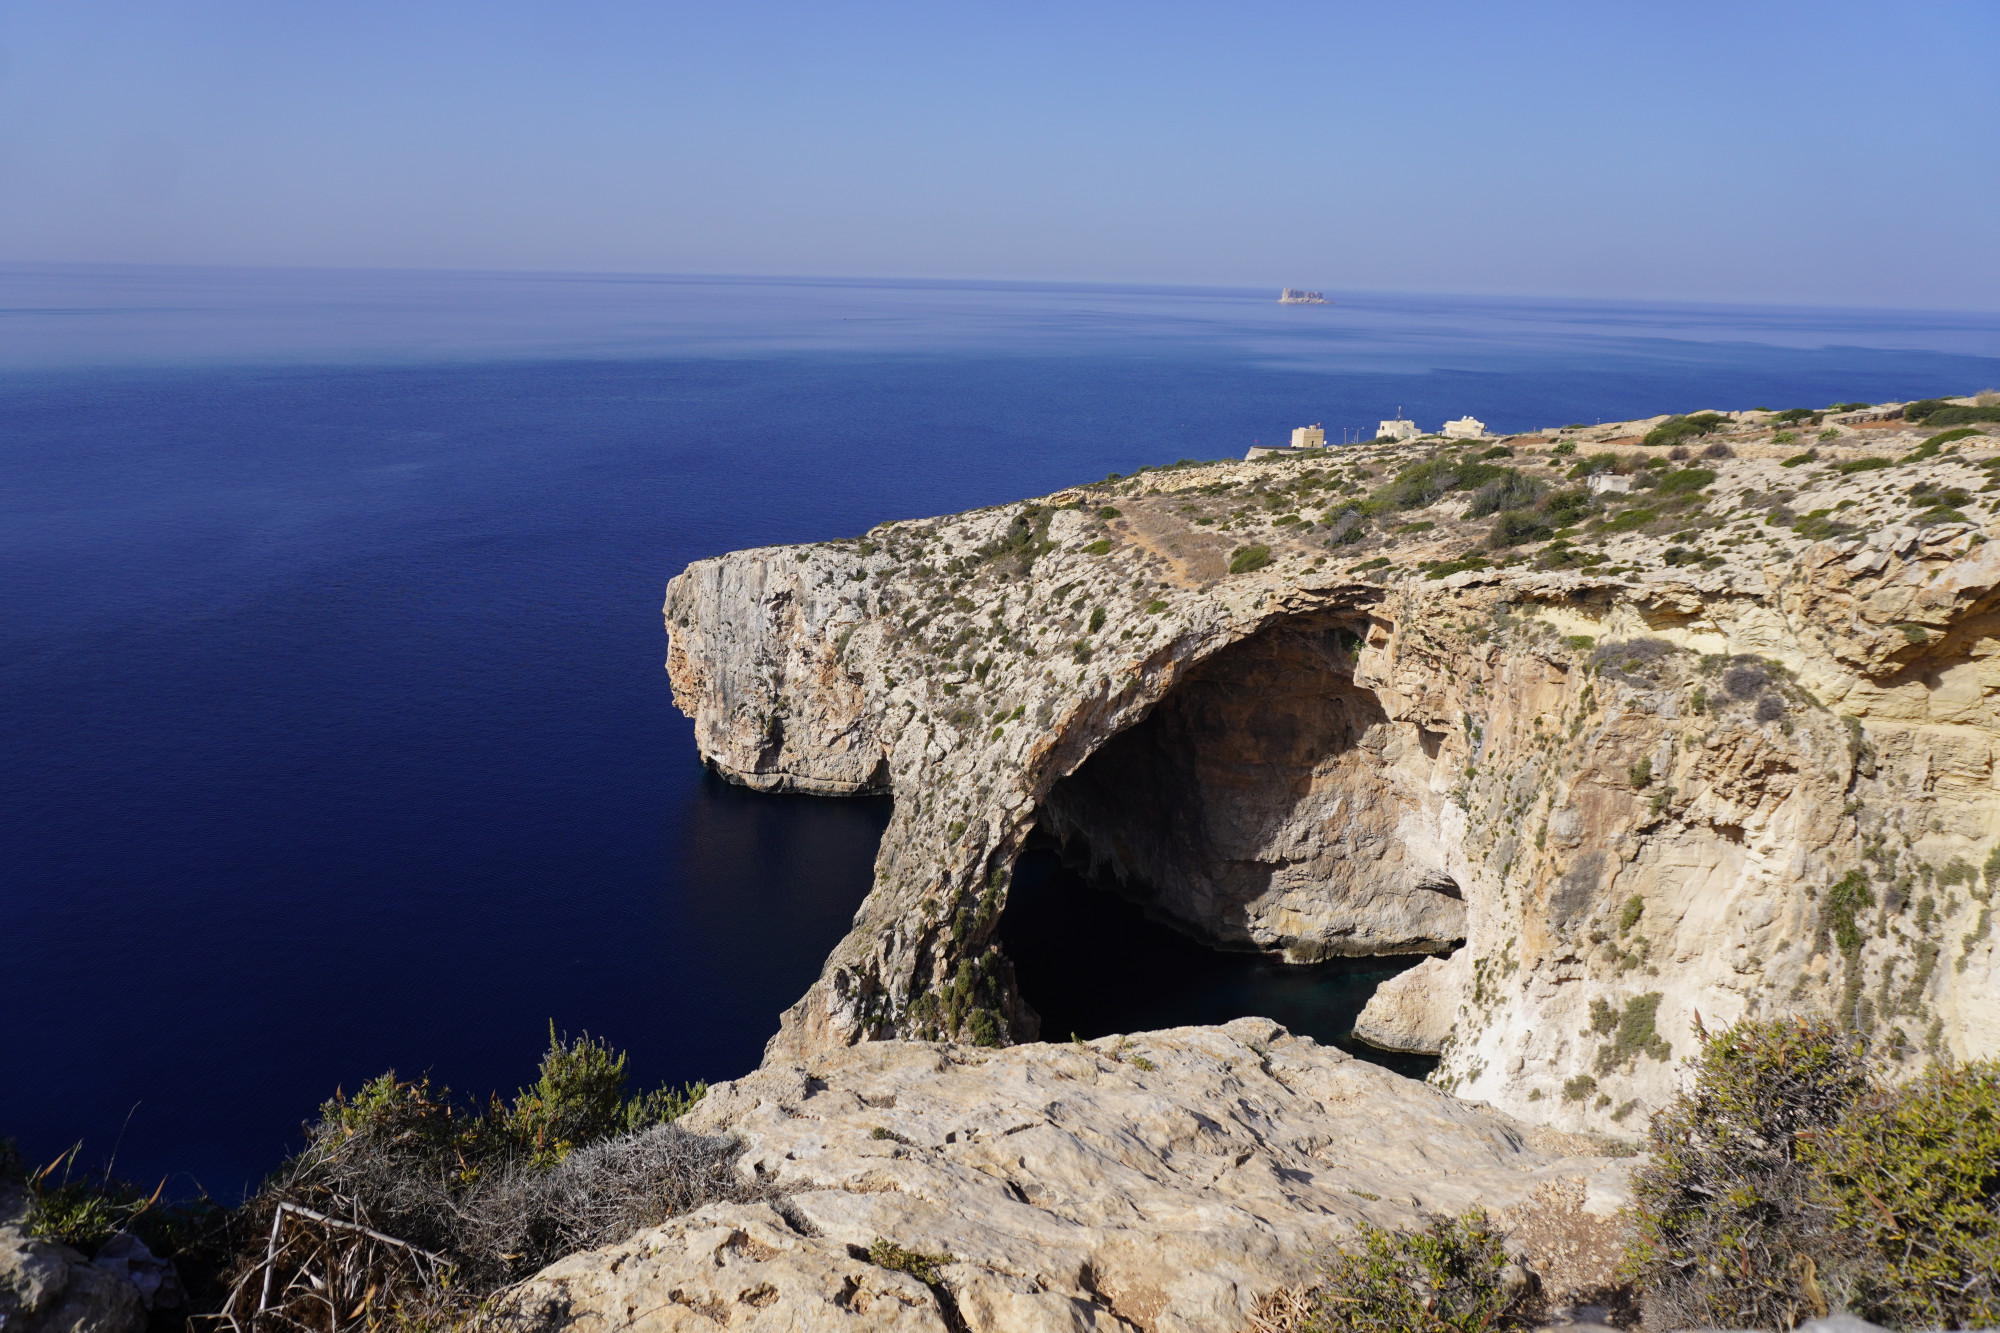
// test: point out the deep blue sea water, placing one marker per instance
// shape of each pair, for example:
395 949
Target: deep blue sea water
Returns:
335 736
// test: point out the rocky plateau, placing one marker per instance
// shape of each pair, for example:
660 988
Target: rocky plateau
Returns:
1630 740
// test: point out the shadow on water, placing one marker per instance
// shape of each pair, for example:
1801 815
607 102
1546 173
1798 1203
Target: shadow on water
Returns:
767 883
1093 964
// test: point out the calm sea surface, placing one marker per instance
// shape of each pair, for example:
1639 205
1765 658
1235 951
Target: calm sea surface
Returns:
335 736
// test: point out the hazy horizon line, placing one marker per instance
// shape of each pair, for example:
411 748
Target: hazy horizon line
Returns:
977 281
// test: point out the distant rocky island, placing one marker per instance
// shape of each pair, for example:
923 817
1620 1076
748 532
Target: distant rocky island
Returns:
1300 296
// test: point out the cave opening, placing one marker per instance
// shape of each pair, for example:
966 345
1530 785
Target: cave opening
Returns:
1091 963
1265 841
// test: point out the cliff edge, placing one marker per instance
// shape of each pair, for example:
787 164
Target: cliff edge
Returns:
1630 743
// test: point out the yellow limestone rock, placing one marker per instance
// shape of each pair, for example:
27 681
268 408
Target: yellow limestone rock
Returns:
1166 1182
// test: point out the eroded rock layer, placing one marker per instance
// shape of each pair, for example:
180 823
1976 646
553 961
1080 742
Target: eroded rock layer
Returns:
1166 1183
1664 745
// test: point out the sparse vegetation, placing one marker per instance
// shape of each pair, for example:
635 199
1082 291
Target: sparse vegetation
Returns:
1675 430
1785 1183
1450 1276
1247 558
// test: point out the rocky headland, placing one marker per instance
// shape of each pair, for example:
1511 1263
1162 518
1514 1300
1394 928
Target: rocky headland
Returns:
1631 738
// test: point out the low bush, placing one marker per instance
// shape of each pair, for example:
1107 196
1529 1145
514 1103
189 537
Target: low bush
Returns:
1515 527
1957 416
1450 1276
1685 480
1912 1175
408 1206
1509 491
1944 437
1675 430
1726 1231
1247 558
1629 521
1785 1182
1852 466
1424 484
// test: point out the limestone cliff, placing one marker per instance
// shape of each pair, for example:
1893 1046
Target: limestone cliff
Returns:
1661 745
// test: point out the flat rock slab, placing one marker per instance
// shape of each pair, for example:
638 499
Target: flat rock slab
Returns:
1167 1181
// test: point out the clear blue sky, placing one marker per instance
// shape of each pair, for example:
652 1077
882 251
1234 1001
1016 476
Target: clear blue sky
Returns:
1830 152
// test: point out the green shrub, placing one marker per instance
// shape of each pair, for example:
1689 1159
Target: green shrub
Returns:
1424 484
1944 437
1635 1035
1676 430
1110 512
1943 412
1791 414
1445 568
1843 901
1913 1177
1629 521
1798 460
1511 490
1246 558
1686 480
1096 620
1726 1228
1563 450
1448 1277
1953 416
1848 407
1576 1089
1515 527
1099 547
1855 465
1566 507
923 1267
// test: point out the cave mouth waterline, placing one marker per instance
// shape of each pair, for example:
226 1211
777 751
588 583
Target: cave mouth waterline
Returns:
1092 964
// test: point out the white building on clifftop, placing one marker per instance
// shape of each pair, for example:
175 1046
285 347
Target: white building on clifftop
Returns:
1309 437
1397 429
1465 428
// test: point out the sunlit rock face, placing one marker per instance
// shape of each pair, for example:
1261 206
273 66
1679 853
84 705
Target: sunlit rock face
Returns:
1733 753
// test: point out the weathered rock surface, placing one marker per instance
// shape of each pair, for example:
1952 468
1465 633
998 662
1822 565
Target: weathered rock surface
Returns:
1629 769
1166 1183
50 1288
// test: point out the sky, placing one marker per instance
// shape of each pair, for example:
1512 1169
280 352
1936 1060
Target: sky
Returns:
1818 153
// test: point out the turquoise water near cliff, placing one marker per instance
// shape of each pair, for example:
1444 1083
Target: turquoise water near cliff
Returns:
336 736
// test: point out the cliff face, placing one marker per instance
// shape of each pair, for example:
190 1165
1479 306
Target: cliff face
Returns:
1725 746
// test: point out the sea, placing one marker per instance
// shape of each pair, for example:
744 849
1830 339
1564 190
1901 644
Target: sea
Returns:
336 738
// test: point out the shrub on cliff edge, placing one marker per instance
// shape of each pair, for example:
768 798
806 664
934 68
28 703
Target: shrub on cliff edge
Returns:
1727 1233
1786 1182
1912 1176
